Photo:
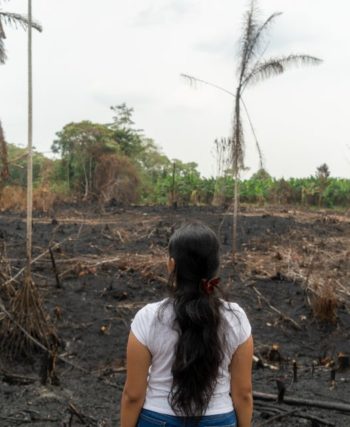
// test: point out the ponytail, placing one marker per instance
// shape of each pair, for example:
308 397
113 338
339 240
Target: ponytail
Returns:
198 353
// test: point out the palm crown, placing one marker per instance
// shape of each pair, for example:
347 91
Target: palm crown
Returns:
12 19
252 68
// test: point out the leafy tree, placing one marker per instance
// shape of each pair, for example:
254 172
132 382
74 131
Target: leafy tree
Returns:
123 117
154 166
128 139
152 160
323 172
252 67
17 161
261 175
178 182
93 163
80 146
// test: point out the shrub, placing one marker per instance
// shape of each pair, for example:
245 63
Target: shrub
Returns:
116 178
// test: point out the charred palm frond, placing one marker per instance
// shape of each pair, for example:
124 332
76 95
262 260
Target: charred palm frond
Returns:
260 153
192 80
3 56
223 155
274 66
258 39
250 28
16 20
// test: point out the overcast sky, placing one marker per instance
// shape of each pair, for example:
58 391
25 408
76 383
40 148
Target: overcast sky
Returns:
94 54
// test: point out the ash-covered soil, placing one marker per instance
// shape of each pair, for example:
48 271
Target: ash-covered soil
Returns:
111 263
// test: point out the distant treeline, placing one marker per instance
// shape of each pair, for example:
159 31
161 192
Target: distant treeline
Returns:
116 163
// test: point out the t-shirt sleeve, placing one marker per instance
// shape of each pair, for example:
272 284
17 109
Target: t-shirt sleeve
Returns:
245 327
241 329
140 325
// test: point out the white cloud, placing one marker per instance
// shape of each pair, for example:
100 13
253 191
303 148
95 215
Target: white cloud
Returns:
91 56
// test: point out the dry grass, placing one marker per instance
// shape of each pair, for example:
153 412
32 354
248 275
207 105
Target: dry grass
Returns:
116 178
43 199
13 198
324 303
151 266
6 288
320 265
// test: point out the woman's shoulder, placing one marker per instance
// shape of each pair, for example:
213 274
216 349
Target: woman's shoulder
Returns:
143 321
150 309
234 313
232 306
237 319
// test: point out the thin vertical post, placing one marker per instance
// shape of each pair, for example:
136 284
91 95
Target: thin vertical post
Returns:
30 146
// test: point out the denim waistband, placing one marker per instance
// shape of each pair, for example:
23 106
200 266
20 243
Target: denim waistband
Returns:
151 418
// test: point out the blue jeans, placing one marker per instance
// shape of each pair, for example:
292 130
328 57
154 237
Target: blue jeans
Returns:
155 419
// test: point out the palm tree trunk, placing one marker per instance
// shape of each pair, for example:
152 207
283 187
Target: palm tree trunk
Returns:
235 214
30 146
236 164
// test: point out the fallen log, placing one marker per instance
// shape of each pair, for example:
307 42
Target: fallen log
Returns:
325 404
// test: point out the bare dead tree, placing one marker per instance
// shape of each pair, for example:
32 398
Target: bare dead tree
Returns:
252 68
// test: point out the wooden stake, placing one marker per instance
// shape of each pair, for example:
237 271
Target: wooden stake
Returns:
57 276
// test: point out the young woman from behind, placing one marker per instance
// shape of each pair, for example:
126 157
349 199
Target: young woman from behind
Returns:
189 357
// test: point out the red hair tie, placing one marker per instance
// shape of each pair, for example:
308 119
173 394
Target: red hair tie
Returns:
209 285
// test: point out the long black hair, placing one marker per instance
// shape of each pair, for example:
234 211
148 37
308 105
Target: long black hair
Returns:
198 353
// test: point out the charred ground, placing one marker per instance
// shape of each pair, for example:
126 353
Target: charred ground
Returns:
292 277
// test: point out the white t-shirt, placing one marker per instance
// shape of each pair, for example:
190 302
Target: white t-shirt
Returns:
157 334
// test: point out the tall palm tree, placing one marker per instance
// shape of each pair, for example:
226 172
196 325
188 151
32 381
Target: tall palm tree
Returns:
26 308
252 68
30 145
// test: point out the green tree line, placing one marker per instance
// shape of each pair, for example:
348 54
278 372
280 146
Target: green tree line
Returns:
117 162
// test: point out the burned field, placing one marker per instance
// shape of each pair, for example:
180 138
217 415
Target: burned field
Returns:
292 276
